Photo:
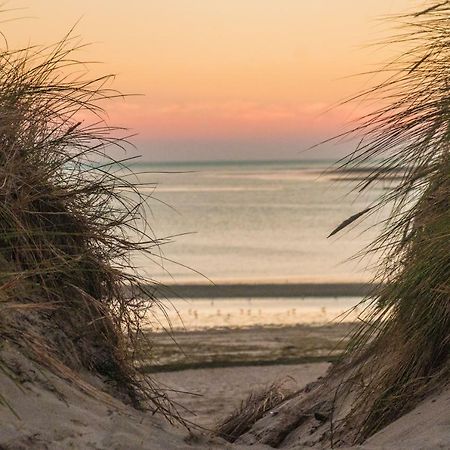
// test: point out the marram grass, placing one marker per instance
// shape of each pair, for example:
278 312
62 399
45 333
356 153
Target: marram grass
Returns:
399 354
402 347
70 297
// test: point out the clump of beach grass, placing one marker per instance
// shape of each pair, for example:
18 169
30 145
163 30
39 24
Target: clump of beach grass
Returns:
254 407
70 222
402 348
400 352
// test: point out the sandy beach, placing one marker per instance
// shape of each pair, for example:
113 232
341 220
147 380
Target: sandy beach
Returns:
244 312
237 247
205 396
76 419
257 345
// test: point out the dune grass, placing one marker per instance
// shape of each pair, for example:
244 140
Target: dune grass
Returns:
400 352
402 347
70 297
251 409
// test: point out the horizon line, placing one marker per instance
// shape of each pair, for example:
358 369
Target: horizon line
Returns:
231 161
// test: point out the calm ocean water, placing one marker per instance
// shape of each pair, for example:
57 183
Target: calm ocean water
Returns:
254 221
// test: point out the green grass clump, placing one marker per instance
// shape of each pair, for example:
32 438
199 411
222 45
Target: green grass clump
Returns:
70 297
402 348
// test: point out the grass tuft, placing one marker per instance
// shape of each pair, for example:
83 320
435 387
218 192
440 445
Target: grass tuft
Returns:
402 348
251 409
70 222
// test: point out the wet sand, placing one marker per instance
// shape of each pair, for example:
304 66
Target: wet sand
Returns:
261 346
235 313
264 290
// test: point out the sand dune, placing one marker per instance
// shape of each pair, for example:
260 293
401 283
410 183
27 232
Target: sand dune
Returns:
51 413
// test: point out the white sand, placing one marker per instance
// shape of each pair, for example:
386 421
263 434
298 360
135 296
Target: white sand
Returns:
426 427
55 414
216 392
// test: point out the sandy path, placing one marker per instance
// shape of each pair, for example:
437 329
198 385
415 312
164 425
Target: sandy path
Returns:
53 414
219 391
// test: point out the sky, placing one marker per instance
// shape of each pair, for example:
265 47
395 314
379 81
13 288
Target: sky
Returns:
223 79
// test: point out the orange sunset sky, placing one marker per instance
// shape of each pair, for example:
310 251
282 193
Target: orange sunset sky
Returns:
222 79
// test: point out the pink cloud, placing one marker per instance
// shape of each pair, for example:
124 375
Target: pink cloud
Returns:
232 119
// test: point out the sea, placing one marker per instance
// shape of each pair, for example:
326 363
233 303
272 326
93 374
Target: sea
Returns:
256 222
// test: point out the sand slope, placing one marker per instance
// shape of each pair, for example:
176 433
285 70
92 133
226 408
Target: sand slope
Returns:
55 414
426 427
219 391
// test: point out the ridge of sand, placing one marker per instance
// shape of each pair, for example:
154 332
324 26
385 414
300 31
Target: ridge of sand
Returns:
425 427
51 413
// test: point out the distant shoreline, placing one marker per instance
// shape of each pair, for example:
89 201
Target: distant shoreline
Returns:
264 290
